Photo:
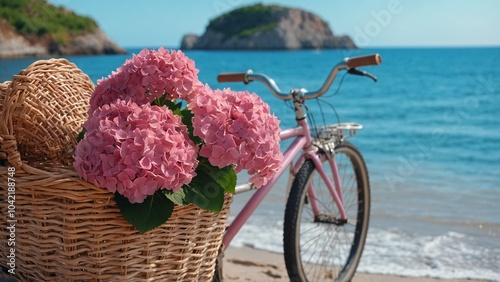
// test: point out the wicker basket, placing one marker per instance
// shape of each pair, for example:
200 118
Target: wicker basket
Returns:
48 101
3 91
70 230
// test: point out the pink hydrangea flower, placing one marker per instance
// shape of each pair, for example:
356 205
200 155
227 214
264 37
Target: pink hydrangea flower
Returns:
238 129
135 150
147 76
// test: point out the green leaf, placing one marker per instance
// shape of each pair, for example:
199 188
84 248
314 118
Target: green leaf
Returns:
81 135
174 107
207 196
153 212
187 119
158 101
208 187
225 177
178 198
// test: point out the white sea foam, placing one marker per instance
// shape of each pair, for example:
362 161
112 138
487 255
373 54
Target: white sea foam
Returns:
398 252
449 255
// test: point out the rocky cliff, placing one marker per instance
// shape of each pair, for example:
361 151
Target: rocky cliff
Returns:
267 27
36 28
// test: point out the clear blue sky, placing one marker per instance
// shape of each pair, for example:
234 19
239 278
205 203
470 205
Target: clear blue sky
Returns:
371 23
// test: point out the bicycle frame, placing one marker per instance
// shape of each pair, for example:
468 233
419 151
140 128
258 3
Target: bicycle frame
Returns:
303 142
318 149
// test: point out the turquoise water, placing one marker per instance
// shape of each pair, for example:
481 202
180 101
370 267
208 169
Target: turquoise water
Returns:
430 139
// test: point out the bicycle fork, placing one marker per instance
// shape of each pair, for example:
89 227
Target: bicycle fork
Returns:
335 189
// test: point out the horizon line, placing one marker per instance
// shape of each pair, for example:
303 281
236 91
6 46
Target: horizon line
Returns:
359 47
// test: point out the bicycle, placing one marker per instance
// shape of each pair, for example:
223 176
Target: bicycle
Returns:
329 211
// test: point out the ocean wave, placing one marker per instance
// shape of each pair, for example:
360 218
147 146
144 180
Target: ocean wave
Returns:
450 255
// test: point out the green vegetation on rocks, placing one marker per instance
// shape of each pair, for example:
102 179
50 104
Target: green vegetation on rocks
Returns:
262 27
38 18
246 21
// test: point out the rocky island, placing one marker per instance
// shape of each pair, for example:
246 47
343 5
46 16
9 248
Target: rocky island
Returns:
37 28
267 28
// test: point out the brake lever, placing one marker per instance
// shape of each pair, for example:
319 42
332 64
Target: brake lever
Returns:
362 73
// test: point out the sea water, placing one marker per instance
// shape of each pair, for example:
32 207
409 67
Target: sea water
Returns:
431 141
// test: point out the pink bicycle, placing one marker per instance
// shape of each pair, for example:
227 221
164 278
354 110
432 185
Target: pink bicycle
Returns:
328 206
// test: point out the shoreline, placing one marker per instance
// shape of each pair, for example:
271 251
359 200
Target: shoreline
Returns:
253 265
249 264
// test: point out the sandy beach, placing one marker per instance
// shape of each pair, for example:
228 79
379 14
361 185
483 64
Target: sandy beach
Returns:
251 265
248 264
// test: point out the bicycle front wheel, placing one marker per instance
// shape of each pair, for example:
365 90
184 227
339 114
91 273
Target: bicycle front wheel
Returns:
321 247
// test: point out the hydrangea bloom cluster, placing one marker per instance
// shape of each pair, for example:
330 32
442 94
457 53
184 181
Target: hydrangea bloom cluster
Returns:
136 150
239 130
147 76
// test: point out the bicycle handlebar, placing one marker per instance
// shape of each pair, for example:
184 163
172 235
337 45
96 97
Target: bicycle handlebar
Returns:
347 63
232 77
368 60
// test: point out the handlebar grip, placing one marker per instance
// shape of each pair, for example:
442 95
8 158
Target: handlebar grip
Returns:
368 60
232 77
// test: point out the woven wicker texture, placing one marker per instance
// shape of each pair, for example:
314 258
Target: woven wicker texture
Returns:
3 92
70 230
48 100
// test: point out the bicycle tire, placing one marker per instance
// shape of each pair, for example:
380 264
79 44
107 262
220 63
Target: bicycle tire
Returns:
217 274
334 251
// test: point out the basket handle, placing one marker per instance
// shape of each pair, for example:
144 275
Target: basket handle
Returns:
8 142
4 86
